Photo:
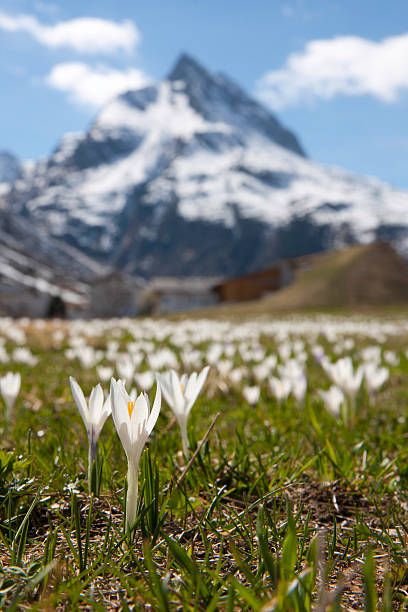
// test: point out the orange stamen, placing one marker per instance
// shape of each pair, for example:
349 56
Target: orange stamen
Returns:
130 408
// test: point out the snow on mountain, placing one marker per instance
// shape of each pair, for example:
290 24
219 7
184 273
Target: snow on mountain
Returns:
34 268
192 176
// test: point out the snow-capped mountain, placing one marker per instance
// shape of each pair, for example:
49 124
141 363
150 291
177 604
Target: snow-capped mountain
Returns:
192 176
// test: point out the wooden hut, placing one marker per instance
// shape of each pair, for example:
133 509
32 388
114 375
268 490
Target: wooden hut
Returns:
255 285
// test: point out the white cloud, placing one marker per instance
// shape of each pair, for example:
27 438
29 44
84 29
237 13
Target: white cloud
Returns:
89 35
345 65
93 86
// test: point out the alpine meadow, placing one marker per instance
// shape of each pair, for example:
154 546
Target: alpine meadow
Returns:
274 480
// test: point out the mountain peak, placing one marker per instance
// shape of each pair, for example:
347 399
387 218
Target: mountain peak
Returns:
187 68
218 98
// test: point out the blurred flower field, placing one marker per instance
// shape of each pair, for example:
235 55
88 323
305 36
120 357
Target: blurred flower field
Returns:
274 479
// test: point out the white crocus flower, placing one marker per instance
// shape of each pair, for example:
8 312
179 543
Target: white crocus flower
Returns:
261 371
180 394
343 375
94 415
280 387
125 367
104 373
251 394
285 350
318 352
145 380
391 358
291 369
214 353
271 361
87 356
236 375
24 355
9 388
134 423
374 376
371 354
191 358
333 399
299 387
224 366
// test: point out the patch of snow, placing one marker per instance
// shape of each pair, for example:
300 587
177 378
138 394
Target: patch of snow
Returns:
4 188
67 146
40 284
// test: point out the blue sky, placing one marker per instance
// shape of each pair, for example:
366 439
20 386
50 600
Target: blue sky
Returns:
336 72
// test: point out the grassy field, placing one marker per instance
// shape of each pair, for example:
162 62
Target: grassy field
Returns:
281 505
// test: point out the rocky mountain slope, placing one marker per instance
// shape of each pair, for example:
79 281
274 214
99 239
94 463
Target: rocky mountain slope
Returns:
192 176
10 167
35 267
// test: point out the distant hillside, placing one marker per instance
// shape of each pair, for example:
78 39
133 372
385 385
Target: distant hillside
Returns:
361 275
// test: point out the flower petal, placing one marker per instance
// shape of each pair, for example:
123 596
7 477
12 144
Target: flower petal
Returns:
179 403
190 385
139 417
196 387
151 421
120 415
80 401
104 415
165 385
95 404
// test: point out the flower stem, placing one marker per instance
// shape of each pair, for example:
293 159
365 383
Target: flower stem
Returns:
132 492
91 459
9 411
184 439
